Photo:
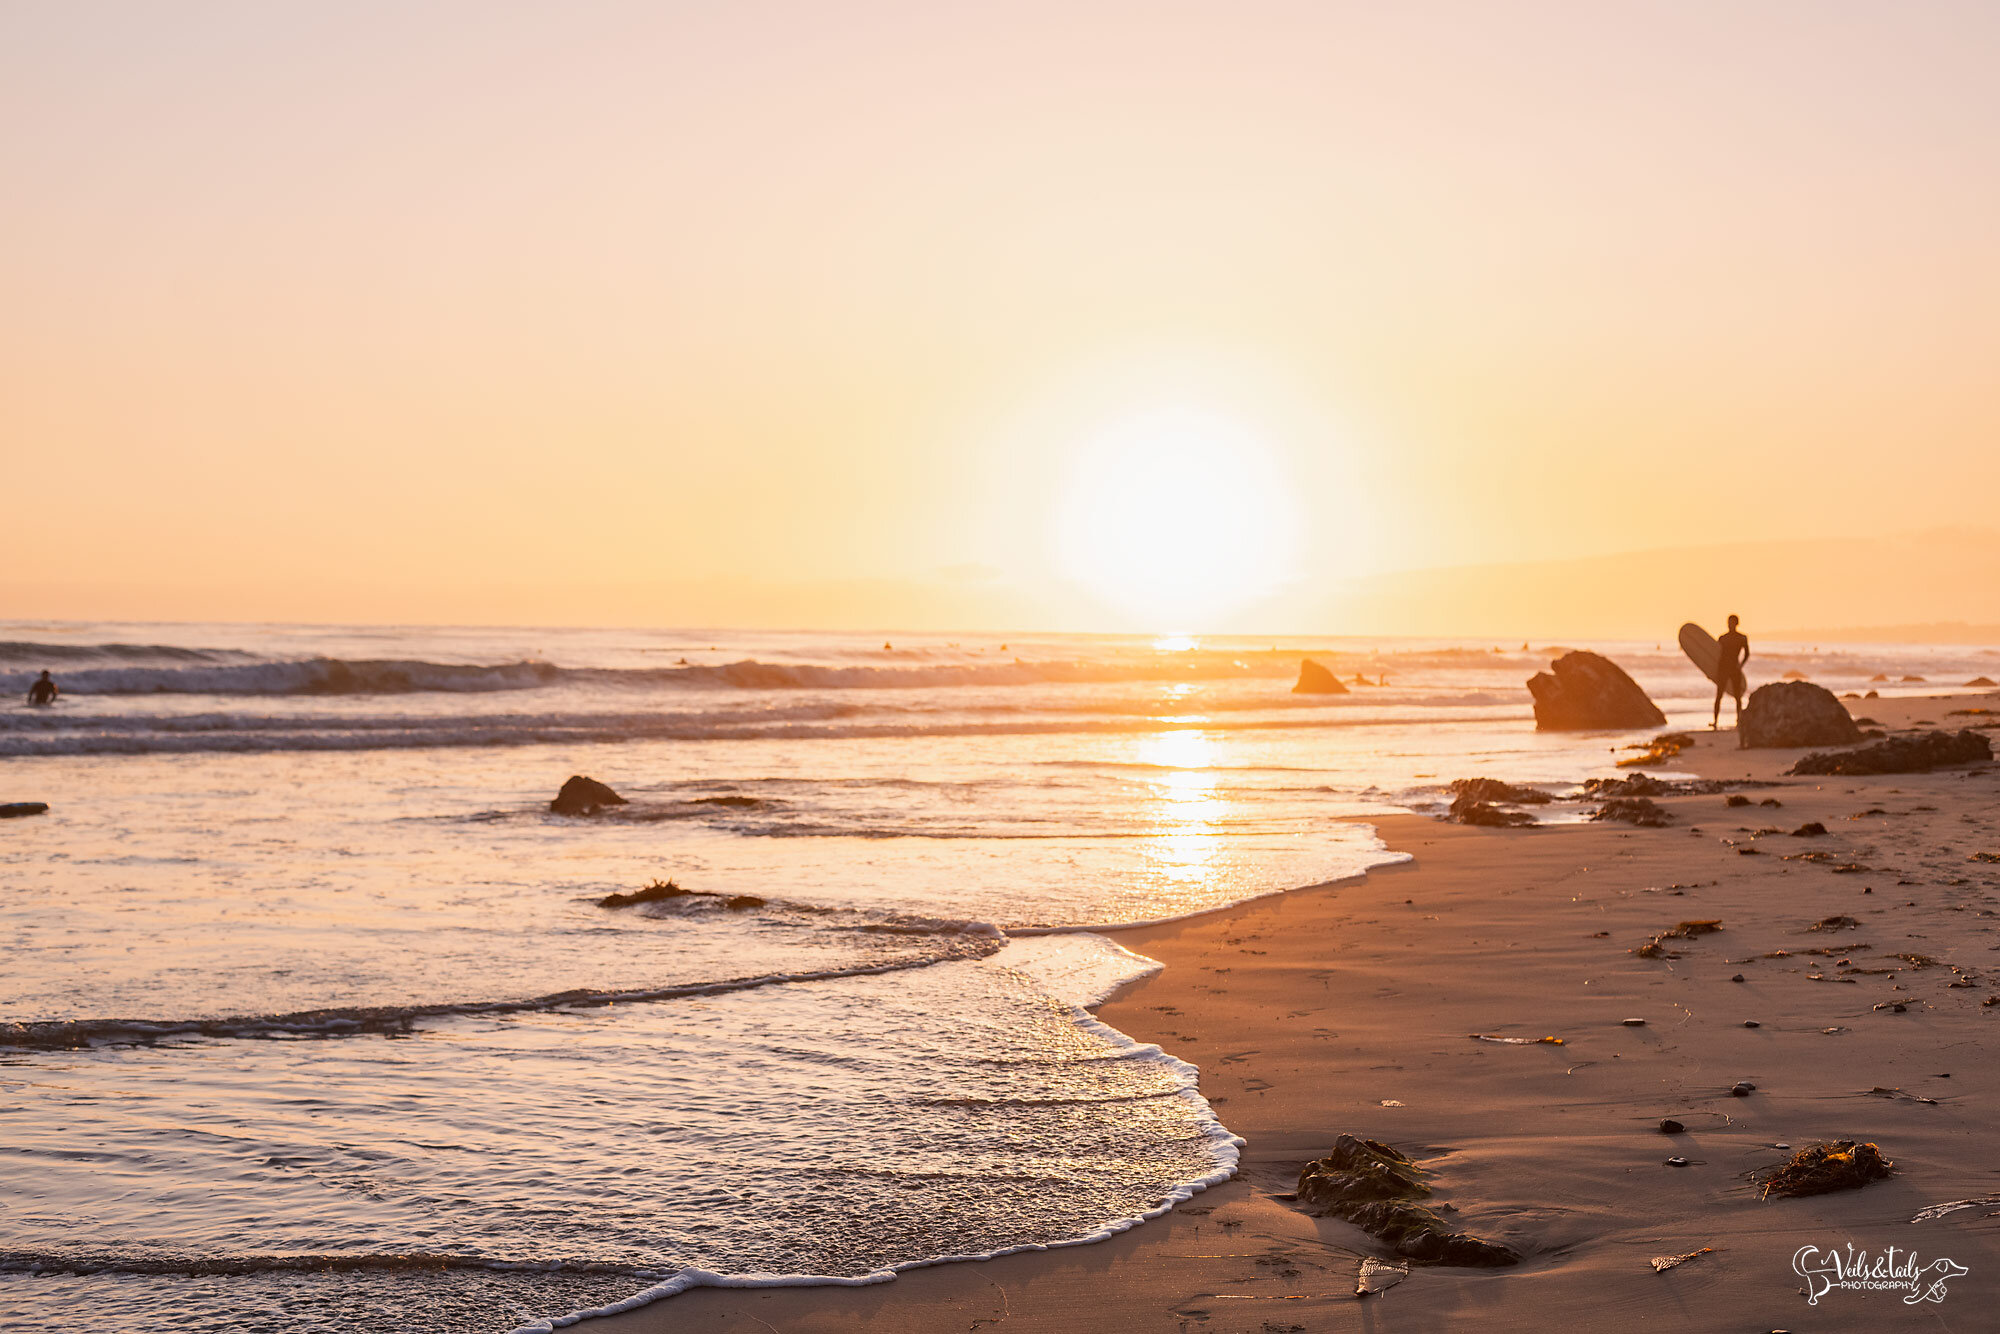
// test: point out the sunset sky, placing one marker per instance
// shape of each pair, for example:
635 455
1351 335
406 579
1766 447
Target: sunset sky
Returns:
1068 315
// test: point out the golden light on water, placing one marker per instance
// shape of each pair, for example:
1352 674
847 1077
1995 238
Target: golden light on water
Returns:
1187 809
1175 517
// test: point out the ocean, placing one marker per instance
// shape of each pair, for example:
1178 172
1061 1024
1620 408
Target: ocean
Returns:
313 1019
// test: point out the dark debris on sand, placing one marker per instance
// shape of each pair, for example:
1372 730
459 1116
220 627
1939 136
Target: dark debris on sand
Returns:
1485 801
1639 811
1492 789
1377 1189
1820 1168
1645 785
1487 815
1901 755
1661 748
1655 949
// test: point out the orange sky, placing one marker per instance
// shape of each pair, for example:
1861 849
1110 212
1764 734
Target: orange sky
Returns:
804 313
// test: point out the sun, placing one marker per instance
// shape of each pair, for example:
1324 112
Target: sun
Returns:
1176 517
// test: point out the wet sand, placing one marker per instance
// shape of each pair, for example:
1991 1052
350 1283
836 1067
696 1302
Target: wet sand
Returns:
1349 1008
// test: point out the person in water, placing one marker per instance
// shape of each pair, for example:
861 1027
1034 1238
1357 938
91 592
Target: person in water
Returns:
43 691
1735 651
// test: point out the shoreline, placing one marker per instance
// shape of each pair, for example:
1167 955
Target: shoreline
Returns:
1348 1008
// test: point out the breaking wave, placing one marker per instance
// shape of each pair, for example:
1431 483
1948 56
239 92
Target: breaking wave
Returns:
226 672
34 733
28 653
972 940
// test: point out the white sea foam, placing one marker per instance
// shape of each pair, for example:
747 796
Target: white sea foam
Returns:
1081 970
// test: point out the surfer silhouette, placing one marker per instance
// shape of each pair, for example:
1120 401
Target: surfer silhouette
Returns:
1735 651
43 691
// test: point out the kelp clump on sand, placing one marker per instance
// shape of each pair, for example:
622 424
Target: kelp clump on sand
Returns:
1369 1184
1819 1169
1665 746
1656 949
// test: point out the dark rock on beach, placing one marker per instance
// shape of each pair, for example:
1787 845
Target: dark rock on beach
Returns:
1486 801
1317 680
1465 810
584 796
1634 810
10 810
1582 691
1492 789
1901 755
1645 785
1369 1184
1794 713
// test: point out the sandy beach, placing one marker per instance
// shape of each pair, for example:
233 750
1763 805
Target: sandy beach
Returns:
1350 1008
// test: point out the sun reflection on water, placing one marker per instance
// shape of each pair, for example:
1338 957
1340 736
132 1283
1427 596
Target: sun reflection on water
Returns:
1188 808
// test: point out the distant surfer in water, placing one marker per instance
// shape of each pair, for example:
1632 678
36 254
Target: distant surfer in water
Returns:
43 691
1735 646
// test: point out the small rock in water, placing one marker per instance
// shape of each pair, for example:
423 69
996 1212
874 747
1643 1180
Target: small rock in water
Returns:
584 796
1742 1089
1672 1127
1635 1023
653 893
1751 1023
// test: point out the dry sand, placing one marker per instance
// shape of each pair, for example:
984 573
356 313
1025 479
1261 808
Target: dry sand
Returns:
1349 1008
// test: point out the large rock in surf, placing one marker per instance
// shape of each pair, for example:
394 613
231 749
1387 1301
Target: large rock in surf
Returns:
584 796
1582 691
1317 680
1794 713
1901 755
